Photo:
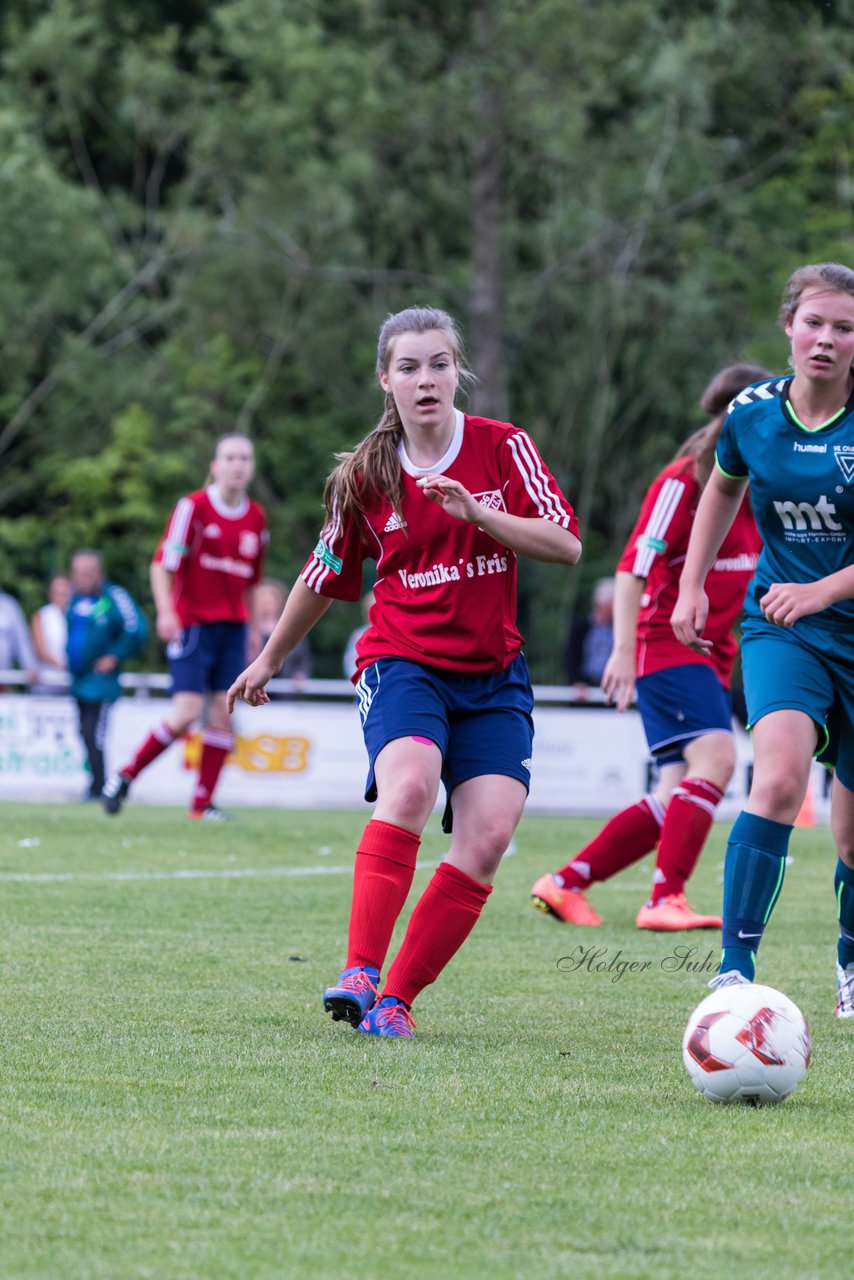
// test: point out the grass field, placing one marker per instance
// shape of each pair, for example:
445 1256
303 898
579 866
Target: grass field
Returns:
175 1104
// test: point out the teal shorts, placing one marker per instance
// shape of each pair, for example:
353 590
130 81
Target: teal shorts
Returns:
801 668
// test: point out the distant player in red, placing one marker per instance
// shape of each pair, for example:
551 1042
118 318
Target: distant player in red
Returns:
444 503
209 558
684 704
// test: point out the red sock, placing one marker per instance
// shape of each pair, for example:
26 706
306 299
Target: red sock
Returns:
216 744
382 876
156 743
443 918
689 816
629 835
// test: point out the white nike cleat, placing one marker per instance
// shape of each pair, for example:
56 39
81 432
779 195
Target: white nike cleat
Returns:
732 978
845 991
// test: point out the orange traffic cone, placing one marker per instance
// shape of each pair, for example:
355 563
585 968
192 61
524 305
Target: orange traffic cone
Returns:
806 813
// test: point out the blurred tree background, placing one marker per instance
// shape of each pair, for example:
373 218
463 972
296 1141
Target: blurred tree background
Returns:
206 209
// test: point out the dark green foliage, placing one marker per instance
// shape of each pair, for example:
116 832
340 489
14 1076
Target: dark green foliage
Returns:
206 210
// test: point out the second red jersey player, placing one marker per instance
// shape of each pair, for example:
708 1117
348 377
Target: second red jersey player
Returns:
684 702
209 558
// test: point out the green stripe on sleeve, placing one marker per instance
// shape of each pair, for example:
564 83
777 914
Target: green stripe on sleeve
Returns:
728 474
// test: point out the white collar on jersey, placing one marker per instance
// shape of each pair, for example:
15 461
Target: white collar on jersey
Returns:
447 458
222 508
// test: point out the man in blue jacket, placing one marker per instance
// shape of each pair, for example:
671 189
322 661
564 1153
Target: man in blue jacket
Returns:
105 627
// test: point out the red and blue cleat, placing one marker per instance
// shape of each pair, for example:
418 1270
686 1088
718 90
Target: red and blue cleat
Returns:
353 995
389 1017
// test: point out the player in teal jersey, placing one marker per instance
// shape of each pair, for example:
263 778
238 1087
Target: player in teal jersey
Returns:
792 439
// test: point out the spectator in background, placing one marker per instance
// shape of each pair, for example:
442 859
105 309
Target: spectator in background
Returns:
105 627
49 628
590 641
350 661
268 601
16 647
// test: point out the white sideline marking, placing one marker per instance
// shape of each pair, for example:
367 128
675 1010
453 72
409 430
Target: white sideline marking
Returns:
234 873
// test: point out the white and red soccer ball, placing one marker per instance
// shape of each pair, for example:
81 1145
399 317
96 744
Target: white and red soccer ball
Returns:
746 1043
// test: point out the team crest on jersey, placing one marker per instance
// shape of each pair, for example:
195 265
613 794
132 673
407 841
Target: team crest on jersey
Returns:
327 557
492 500
211 531
845 460
247 545
393 523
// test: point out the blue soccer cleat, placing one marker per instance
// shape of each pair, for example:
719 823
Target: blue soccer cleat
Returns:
390 1017
353 995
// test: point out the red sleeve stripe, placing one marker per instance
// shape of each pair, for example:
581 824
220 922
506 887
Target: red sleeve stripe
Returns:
659 521
537 480
175 543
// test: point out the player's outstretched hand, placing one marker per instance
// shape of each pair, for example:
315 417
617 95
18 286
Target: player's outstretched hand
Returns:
249 685
785 602
618 679
452 497
689 618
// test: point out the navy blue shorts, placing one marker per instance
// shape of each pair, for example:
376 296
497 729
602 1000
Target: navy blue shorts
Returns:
482 724
680 704
208 657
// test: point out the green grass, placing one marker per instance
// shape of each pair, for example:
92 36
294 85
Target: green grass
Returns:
174 1104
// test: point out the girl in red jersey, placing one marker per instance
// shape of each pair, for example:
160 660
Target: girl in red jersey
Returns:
684 704
209 558
443 502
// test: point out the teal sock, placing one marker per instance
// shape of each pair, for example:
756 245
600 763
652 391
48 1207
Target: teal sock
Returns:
844 885
753 877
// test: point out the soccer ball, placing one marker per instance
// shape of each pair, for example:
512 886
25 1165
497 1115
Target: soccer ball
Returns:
746 1043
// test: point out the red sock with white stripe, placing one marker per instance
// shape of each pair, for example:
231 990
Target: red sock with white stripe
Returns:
216 744
628 836
155 744
382 877
689 816
443 918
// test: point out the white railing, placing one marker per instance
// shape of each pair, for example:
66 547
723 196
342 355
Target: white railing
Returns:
153 682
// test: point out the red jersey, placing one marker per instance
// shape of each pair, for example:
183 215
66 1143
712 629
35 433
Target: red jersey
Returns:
445 594
656 551
216 553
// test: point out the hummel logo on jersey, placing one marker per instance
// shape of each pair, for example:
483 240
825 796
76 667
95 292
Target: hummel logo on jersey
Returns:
809 448
212 531
393 523
492 500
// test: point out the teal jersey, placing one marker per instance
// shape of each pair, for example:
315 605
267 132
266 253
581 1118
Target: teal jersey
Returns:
801 488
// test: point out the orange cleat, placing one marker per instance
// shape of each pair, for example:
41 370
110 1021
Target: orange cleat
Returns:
569 905
672 914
